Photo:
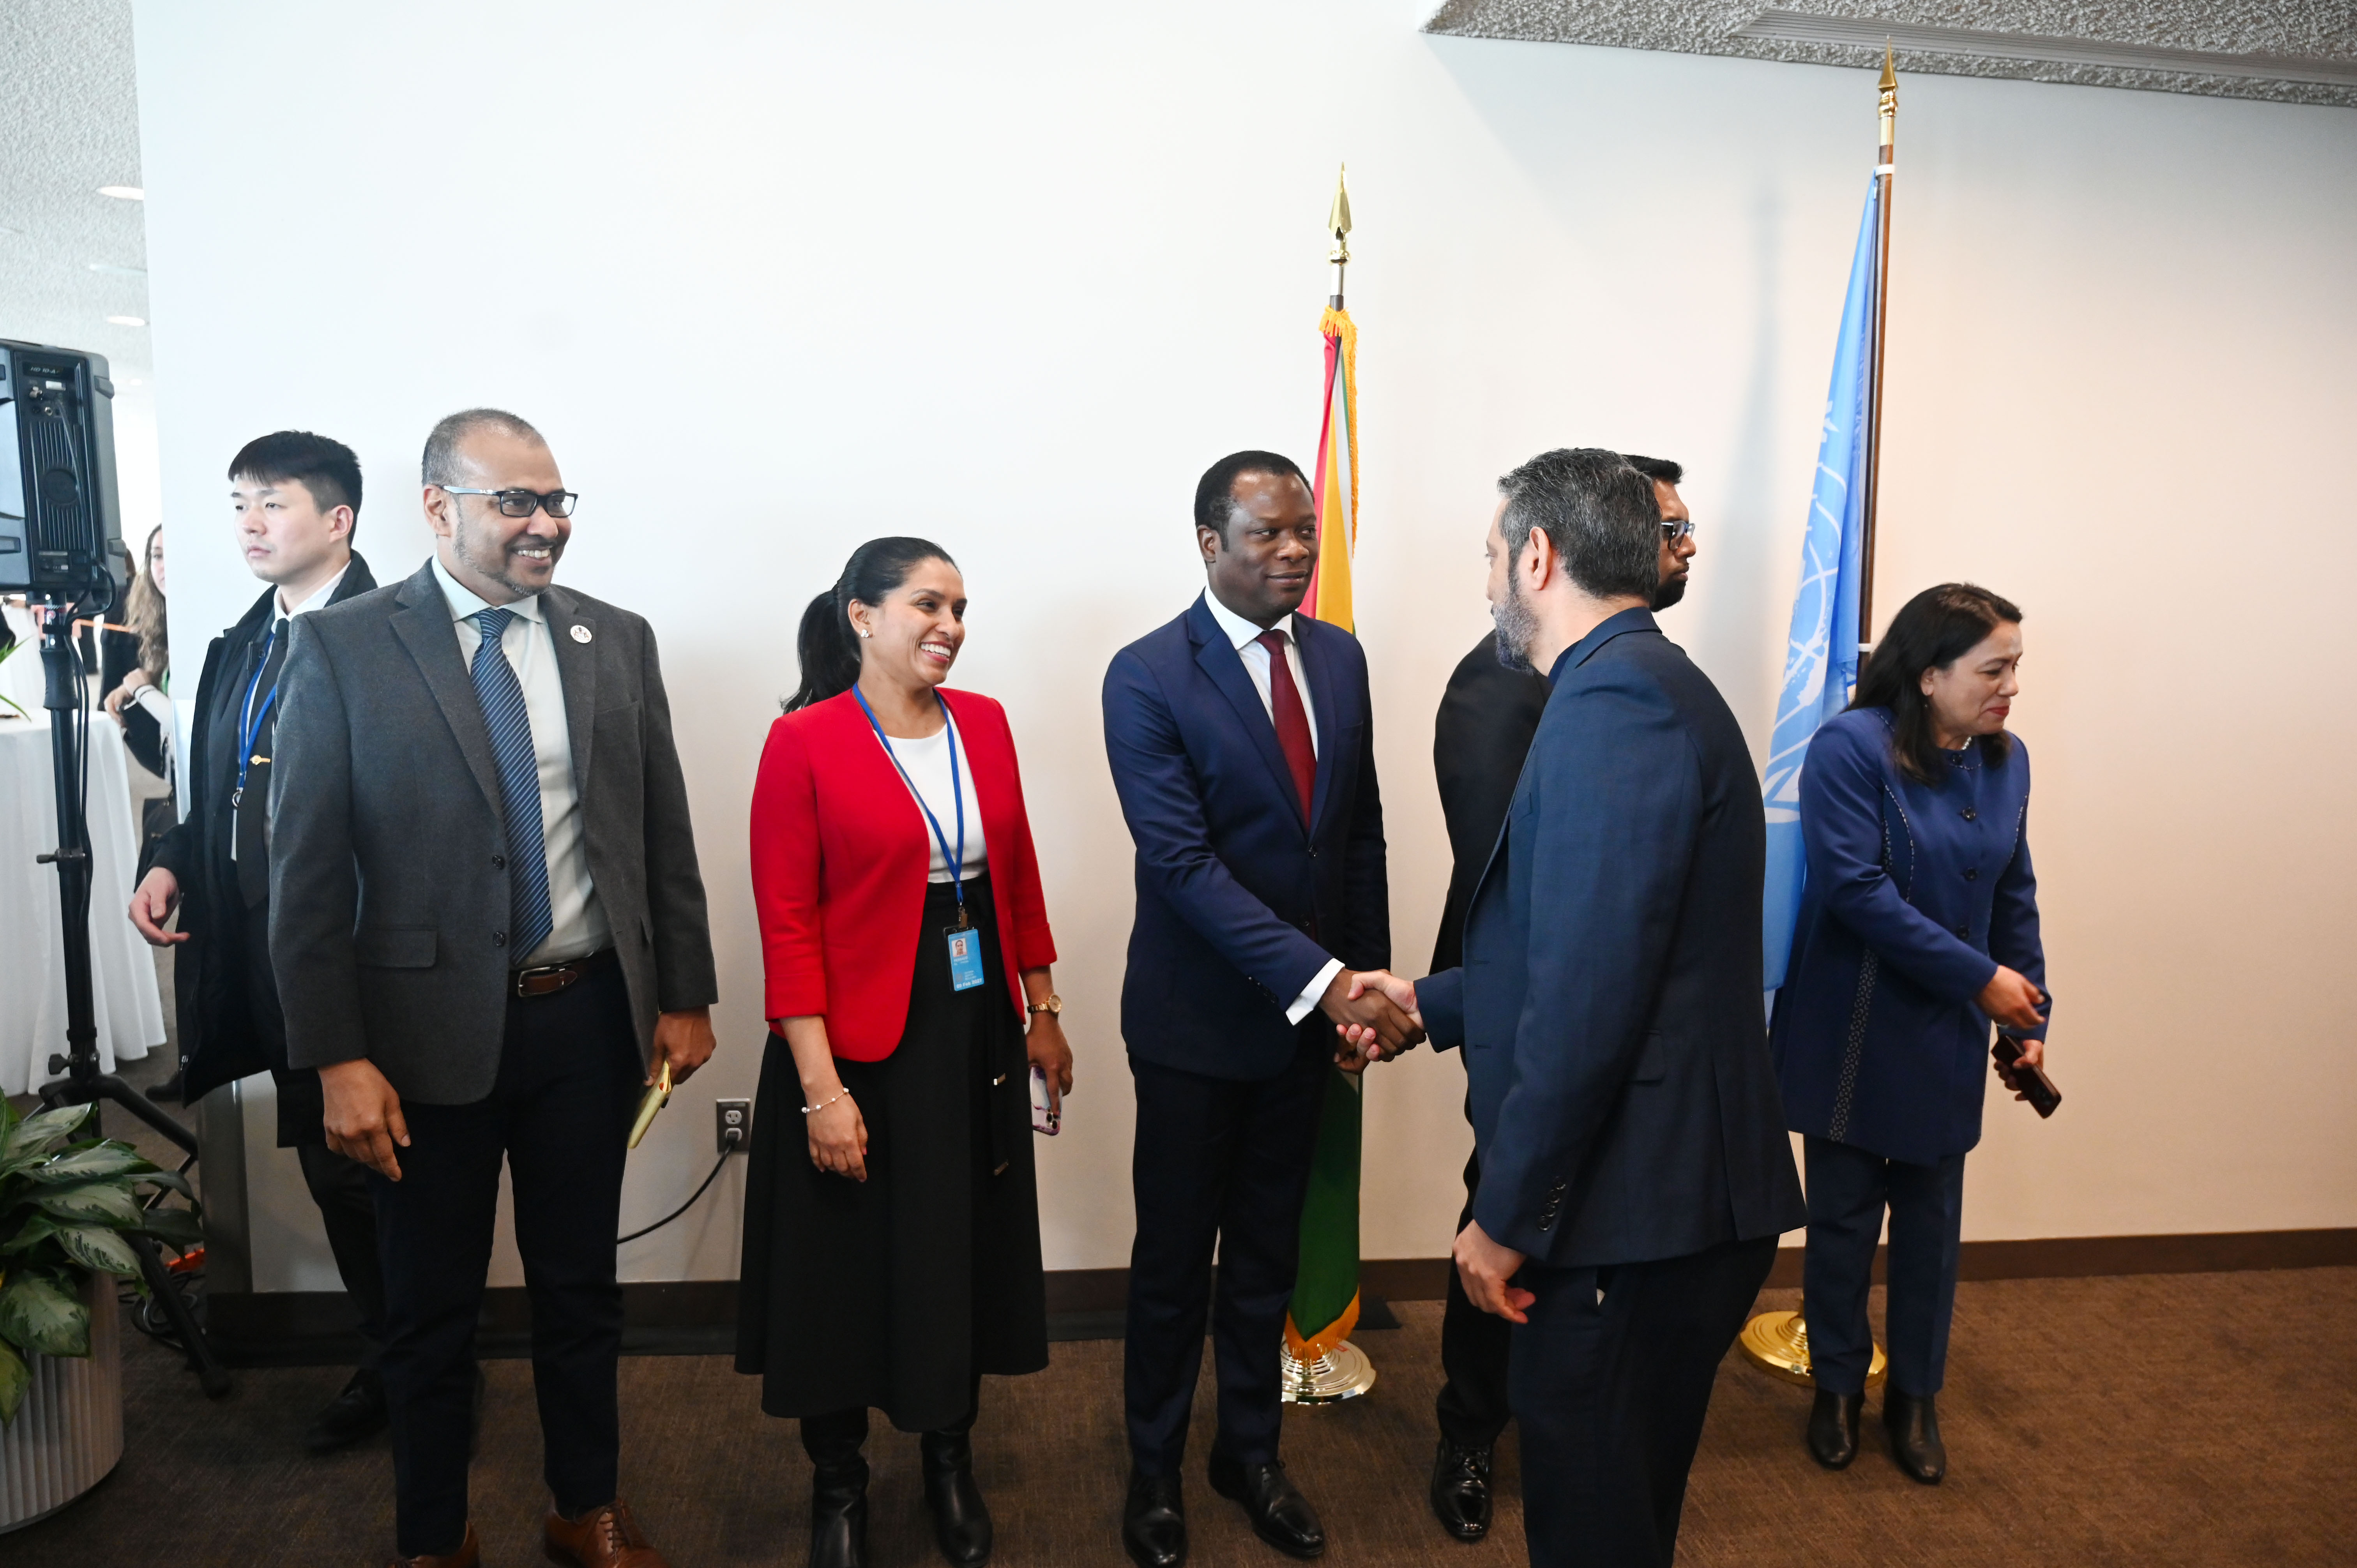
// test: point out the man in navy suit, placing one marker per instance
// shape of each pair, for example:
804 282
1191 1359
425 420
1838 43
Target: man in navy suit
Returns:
1242 747
1635 1174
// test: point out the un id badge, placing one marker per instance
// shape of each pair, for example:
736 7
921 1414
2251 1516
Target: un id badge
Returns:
965 957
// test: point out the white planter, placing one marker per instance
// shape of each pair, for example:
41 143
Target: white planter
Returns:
69 1433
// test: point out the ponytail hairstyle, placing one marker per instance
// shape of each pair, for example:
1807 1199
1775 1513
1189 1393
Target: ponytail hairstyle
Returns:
826 645
1931 631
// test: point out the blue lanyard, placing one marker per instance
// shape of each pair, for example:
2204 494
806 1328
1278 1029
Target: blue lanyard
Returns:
957 794
250 726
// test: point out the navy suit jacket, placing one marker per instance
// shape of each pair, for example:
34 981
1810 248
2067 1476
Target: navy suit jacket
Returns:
1608 1005
1240 904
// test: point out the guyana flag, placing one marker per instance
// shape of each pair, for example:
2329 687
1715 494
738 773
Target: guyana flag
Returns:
1325 1290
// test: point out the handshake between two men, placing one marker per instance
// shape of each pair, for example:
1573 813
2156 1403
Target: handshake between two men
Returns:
1375 1015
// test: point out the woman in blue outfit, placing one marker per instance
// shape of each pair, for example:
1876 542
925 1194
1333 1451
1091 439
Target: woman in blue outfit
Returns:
1919 929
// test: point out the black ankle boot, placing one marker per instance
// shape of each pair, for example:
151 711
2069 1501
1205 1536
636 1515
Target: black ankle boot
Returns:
1832 1429
1915 1428
839 1508
961 1521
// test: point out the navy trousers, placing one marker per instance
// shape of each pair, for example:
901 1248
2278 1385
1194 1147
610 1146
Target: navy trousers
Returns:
1610 1382
1475 1347
1216 1162
557 1116
1848 1190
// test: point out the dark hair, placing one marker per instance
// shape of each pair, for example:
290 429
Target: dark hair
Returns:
827 646
327 468
1215 492
440 465
1931 631
1600 513
1660 468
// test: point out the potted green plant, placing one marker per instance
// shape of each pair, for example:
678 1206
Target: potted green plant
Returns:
68 1206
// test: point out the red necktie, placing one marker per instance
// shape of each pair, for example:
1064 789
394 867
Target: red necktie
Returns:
1292 719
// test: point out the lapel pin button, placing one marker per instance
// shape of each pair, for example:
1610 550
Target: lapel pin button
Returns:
580 634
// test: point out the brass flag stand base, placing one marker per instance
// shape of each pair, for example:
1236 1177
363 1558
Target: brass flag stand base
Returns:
1779 1342
1342 1373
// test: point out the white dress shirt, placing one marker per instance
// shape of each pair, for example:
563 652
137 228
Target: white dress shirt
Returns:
578 920
281 615
1245 637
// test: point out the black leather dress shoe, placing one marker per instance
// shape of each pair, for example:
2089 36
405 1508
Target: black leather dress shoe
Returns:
1280 1515
1832 1429
353 1414
961 1520
1460 1488
1915 1428
1153 1521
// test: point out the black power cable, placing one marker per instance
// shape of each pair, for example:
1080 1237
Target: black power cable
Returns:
732 1138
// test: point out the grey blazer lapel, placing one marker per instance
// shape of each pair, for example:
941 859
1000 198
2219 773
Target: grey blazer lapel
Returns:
423 625
576 671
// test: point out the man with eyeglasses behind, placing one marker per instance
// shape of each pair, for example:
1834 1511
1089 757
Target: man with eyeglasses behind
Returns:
490 929
1483 731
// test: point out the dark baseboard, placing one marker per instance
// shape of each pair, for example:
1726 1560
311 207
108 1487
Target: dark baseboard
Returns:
316 1328
698 1317
2088 1257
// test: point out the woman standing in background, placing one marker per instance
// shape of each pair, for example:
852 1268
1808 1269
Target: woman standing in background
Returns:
137 668
1919 928
892 1254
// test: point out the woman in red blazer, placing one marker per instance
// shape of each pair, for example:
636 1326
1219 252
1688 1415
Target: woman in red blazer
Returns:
893 1257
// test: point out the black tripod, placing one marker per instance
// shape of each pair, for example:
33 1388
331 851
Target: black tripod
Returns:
84 1084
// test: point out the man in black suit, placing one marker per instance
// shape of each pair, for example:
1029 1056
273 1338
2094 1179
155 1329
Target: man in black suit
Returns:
1483 731
297 498
1634 1170
489 928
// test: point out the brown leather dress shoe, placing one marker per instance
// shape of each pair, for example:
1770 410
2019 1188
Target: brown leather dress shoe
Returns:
466 1556
602 1538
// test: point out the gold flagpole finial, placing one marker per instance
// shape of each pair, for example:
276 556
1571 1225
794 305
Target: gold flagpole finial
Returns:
1889 108
1338 223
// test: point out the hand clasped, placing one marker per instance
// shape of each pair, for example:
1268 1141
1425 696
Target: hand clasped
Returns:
1374 1015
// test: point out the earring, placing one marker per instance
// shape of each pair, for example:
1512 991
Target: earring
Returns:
863 631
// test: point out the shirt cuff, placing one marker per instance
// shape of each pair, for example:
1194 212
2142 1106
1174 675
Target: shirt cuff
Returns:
1314 993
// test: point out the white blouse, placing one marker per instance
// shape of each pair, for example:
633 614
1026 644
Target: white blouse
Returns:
927 765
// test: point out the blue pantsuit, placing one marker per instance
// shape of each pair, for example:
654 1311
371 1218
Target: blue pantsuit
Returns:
1848 1190
1916 894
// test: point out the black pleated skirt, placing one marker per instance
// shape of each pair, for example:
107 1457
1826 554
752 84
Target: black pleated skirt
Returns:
897 1293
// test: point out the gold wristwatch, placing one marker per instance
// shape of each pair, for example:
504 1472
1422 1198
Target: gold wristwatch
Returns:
1054 1004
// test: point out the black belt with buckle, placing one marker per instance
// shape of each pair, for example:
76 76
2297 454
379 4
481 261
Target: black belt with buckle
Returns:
548 979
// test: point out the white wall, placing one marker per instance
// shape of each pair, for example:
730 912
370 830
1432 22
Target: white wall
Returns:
774 279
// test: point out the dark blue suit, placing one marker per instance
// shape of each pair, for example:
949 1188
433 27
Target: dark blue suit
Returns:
1916 894
1630 1137
1240 904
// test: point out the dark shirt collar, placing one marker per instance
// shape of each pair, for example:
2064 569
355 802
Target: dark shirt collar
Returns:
1634 619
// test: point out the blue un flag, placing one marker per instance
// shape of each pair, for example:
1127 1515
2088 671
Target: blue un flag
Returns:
1821 654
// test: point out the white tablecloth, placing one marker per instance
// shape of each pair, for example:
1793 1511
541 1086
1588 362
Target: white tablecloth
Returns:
128 1006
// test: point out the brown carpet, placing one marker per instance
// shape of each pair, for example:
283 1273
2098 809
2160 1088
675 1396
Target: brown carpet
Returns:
2202 1419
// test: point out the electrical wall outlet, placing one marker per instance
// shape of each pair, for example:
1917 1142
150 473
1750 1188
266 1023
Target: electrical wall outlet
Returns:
732 1116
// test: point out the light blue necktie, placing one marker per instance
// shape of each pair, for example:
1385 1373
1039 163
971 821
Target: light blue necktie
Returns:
501 694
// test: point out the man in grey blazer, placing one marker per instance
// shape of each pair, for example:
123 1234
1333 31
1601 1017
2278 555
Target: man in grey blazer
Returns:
490 930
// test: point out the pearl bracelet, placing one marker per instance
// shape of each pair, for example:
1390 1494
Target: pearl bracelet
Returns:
822 1104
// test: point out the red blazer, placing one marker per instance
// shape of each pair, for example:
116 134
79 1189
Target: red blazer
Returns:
840 856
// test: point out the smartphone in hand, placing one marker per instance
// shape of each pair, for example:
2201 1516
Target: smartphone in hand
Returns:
2032 1081
1044 1119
